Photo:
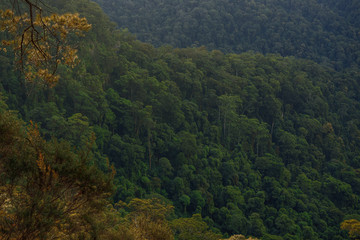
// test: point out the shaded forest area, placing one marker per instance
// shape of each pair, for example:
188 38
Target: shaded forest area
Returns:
260 145
324 31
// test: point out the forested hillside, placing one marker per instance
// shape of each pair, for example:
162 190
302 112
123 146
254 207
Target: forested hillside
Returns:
324 31
260 145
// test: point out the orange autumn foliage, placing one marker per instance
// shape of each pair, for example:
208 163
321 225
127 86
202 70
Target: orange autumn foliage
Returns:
40 42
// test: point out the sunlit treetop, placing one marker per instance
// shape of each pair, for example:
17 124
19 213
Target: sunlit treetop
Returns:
39 42
353 227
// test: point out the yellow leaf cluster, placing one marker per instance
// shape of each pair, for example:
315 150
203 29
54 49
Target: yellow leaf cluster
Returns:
352 226
240 237
148 219
151 208
139 224
47 175
143 228
40 42
33 133
193 228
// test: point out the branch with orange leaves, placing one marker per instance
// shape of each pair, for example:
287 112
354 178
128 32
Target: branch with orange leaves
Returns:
40 42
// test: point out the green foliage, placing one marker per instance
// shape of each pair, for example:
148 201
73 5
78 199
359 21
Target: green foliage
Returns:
266 146
193 228
47 189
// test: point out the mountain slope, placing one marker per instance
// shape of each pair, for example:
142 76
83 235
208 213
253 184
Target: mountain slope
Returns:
266 146
310 29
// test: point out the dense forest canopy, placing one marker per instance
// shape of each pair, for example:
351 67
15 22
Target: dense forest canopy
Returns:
205 144
324 31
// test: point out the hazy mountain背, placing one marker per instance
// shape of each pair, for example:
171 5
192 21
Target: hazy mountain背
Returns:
324 31
253 144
